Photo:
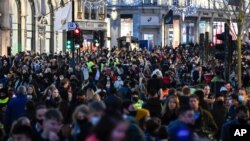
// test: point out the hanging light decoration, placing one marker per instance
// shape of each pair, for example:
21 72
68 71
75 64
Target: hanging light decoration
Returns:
94 4
125 2
188 9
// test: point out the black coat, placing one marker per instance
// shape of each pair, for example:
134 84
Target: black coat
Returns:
154 106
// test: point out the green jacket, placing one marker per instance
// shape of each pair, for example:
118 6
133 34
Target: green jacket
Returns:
205 125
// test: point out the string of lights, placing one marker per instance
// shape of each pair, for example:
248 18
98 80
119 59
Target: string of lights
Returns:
94 4
125 2
188 9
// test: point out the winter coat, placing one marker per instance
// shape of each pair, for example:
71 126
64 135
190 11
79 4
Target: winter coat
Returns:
15 109
154 106
205 123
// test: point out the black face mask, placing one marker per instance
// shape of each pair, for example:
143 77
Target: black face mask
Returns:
132 113
242 121
40 121
82 121
220 102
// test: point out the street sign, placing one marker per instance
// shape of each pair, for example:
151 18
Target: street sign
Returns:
71 25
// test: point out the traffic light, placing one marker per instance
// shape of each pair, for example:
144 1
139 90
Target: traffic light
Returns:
69 42
224 49
77 31
78 39
96 37
211 44
9 51
220 48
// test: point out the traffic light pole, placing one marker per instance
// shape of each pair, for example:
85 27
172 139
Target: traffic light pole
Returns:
73 42
226 60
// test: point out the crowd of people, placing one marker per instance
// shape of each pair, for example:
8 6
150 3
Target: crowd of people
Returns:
119 95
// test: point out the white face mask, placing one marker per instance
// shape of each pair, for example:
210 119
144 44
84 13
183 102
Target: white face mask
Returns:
241 98
95 120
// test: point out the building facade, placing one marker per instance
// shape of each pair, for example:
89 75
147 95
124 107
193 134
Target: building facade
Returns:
40 25
144 19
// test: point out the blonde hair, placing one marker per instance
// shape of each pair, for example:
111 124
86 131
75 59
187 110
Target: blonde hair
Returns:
90 94
96 97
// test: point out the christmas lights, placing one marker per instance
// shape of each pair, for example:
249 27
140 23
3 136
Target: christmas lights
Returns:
186 10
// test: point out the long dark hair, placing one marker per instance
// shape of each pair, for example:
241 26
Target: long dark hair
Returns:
106 125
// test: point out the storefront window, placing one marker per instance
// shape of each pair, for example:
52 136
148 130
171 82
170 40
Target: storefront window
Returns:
204 26
188 32
150 38
126 25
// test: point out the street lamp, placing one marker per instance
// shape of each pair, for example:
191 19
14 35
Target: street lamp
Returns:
41 28
114 14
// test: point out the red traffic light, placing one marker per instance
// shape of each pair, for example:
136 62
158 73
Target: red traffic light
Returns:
211 44
77 31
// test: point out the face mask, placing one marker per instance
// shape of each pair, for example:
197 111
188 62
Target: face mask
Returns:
40 121
220 102
241 98
61 78
82 121
95 120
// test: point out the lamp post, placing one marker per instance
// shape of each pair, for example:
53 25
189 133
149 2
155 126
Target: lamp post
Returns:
41 31
114 14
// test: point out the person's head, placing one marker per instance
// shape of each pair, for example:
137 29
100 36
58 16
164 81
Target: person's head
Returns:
5 63
186 115
186 91
23 121
40 113
200 94
206 90
153 125
3 92
96 111
65 83
228 86
52 121
128 108
242 114
173 102
172 91
22 133
194 102
243 95
80 113
21 90
116 131
30 89
235 99
55 93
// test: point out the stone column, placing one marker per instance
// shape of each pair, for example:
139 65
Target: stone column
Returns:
5 27
197 32
23 32
211 31
114 30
